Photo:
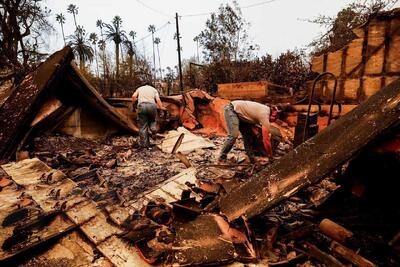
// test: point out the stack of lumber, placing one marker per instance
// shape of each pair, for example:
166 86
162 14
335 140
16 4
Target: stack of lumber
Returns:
366 64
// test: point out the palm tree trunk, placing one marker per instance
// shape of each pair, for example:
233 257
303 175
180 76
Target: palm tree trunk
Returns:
159 60
62 30
76 26
117 59
154 57
97 63
130 64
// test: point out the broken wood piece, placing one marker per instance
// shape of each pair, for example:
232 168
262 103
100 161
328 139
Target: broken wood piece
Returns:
271 237
103 182
321 256
190 141
21 155
178 143
335 231
350 255
202 241
4 181
183 159
121 198
394 240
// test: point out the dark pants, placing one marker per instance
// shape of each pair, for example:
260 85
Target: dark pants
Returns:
146 119
234 127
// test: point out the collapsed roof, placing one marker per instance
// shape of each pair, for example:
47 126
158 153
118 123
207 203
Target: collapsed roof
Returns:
47 97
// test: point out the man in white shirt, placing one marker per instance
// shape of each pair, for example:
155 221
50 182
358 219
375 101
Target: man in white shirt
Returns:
148 100
240 115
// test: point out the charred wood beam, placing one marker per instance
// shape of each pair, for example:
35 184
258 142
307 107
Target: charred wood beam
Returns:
317 157
24 102
94 99
350 255
321 256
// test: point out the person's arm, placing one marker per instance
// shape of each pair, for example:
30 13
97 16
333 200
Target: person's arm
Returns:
264 121
266 140
134 97
159 103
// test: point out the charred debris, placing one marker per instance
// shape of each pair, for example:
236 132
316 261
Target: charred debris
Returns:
76 190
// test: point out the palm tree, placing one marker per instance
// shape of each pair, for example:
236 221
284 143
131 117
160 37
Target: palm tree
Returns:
157 41
132 34
115 33
61 19
93 38
130 50
152 29
196 39
81 46
73 9
102 44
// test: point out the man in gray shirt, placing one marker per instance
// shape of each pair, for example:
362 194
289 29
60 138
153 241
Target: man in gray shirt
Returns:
148 100
240 115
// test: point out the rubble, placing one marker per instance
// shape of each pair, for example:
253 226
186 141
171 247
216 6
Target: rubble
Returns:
103 201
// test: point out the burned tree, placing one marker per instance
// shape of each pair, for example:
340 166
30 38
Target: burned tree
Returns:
339 29
22 23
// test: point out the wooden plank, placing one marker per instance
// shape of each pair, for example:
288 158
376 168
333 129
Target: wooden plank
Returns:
376 48
48 196
351 87
371 85
188 175
119 214
303 108
391 79
82 212
98 229
56 227
334 63
121 254
26 172
317 64
244 90
74 250
393 59
354 54
9 199
49 107
190 141
159 193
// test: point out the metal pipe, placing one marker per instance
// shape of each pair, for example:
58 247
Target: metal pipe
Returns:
319 77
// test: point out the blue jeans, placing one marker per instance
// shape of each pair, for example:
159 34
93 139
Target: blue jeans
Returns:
234 126
146 119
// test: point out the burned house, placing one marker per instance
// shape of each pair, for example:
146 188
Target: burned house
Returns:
56 96
101 201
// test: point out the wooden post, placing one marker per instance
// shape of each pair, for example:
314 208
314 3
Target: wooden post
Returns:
335 231
350 255
321 256
178 37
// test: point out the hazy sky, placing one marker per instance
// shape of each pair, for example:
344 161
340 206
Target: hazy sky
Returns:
275 26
